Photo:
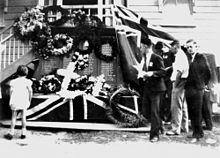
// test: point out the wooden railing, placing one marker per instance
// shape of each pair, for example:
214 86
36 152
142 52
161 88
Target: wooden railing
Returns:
11 49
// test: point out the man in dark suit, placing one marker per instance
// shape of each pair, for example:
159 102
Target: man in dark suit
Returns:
152 72
197 81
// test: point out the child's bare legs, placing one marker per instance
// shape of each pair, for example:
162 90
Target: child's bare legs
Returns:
9 136
23 115
13 121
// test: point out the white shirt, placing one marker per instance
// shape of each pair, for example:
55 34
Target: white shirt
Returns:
148 56
181 64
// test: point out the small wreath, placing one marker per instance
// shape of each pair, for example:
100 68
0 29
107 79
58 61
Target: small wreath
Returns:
62 44
108 57
61 12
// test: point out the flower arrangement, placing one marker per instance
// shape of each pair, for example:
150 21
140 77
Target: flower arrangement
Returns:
82 60
89 84
47 84
60 44
30 24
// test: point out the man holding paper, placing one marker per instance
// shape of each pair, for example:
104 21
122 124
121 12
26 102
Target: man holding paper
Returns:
151 71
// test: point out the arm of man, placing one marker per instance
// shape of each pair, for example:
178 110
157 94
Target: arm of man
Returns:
159 70
207 70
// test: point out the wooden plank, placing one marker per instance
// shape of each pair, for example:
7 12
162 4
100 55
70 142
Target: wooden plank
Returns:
22 2
144 8
16 9
142 2
215 9
206 16
12 16
77 126
11 69
207 3
150 15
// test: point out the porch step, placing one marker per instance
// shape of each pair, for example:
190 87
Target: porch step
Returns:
76 126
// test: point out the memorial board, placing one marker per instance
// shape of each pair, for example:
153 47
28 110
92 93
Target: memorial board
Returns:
48 66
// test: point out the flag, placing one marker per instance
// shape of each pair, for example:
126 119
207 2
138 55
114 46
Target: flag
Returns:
130 28
129 18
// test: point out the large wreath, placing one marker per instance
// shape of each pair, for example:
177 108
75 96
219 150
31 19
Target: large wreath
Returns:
106 41
121 117
60 44
63 13
30 25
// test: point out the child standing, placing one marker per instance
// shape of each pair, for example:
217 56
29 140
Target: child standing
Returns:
20 98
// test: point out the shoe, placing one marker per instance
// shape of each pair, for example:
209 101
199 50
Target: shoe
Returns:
184 130
171 133
194 140
154 139
161 130
23 136
8 136
207 128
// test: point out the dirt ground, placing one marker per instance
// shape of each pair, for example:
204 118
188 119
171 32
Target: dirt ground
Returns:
66 143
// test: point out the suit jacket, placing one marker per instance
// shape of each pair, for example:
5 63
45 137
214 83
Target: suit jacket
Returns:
199 72
156 81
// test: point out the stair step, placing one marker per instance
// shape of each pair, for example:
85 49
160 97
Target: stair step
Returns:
77 125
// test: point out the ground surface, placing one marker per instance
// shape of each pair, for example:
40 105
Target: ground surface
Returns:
60 143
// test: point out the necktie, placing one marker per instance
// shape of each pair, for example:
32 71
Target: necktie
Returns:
145 63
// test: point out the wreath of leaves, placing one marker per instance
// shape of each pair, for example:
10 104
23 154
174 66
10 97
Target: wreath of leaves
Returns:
98 49
63 18
121 117
60 44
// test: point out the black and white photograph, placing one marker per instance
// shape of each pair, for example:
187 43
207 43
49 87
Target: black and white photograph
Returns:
109 78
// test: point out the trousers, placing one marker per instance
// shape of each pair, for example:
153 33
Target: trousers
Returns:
179 111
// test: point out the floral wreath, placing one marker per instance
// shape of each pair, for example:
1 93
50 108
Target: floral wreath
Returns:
47 84
60 44
30 25
63 18
98 49
121 117
66 43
